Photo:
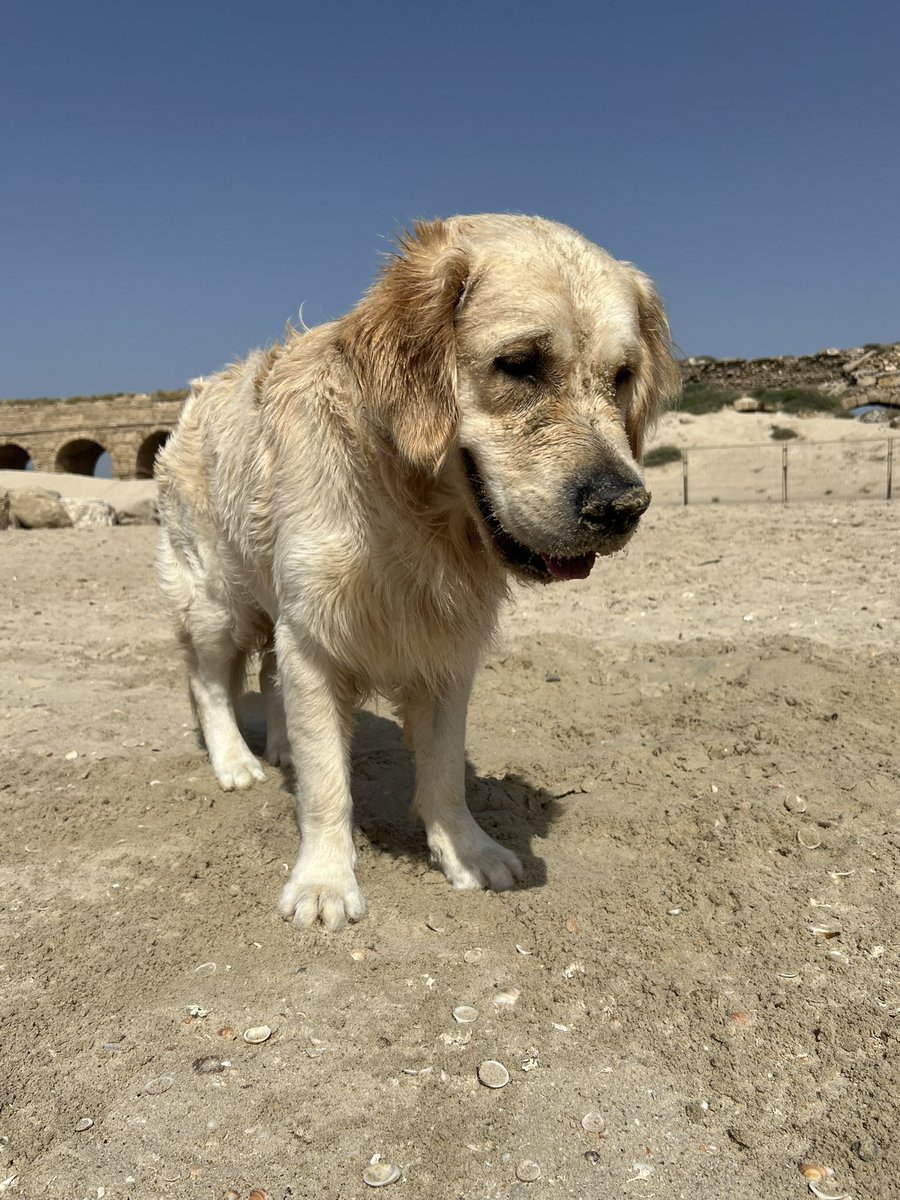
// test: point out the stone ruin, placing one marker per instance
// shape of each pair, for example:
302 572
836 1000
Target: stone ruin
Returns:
869 375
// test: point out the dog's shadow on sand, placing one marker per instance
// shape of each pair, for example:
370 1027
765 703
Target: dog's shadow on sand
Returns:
383 776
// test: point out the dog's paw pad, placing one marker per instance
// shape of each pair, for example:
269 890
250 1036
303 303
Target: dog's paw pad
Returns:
307 903
238 772
478 863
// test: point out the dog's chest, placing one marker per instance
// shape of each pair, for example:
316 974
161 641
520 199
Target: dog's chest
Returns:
400 617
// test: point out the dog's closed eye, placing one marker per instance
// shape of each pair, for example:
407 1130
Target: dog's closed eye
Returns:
524 364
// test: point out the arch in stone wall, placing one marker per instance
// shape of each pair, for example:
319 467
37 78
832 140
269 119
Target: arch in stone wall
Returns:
13 457
145 467
80 456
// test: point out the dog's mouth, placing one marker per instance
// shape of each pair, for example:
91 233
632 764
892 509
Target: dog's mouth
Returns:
515 555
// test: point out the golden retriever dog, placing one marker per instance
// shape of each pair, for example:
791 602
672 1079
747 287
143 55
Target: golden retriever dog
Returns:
351 504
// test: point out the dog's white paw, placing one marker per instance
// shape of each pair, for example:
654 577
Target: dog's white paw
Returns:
238 769
471 859
317 892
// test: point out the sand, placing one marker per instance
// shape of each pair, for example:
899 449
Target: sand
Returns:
118 492
694 752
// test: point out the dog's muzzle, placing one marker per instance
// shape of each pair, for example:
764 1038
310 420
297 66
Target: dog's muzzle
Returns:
605 511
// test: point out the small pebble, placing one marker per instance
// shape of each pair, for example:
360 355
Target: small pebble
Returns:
473 956
592 1156
259 1194
257 1034
593 1122
380 1174
226 1032
528 1171
493 1074
72 755
506 998
156 1087
464 1014
84 1123
795 804
231 1194
550 677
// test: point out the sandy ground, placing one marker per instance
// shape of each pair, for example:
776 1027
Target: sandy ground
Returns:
80 487
733 457
695 753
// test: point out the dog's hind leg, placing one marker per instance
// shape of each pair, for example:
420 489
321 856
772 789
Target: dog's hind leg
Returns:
214 666
215 662
436 726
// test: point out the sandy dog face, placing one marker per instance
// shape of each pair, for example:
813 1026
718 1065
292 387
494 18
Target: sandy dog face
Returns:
545 361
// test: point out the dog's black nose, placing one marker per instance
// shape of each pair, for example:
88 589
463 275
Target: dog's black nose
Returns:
612 505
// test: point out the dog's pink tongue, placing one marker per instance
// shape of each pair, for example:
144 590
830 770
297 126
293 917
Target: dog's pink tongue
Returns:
570 568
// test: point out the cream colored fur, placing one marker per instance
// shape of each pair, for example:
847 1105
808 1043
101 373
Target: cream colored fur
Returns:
317 508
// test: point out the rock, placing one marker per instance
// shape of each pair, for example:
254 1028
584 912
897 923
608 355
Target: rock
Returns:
35 508
90 513
141 512
746 404
4 510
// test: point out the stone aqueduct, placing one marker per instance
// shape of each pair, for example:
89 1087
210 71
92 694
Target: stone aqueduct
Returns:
71 435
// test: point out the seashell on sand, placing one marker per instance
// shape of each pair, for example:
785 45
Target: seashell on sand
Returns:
380 1174
493 1074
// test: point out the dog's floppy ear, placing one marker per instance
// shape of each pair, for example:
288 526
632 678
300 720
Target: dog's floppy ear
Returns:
659 378
403 343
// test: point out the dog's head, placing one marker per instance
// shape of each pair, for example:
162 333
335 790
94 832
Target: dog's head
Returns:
519 359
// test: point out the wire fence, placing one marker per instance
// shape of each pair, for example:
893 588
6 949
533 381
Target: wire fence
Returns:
782 473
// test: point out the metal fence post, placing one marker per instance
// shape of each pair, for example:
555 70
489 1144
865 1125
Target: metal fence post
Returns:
784 474
684 475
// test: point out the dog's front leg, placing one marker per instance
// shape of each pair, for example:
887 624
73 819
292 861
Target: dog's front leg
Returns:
322 885
458 845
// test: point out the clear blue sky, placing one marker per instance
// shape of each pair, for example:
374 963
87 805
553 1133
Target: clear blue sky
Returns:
177 178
